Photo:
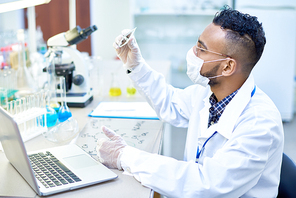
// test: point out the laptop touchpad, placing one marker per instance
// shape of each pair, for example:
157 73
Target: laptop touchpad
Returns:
80 161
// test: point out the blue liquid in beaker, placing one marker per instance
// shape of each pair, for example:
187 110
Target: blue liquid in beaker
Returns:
64 113
56 109
51 117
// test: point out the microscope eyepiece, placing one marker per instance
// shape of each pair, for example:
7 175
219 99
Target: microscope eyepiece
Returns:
76 35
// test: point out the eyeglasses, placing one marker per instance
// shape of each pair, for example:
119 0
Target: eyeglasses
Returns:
199 49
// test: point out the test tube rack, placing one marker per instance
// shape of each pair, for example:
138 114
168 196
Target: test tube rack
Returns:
30 115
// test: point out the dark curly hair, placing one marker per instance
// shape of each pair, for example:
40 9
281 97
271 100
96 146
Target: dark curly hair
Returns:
245 36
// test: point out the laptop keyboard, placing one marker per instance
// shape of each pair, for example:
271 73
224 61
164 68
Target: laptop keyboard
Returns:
50 171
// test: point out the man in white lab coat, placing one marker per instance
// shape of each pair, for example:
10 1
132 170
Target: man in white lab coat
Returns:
234 142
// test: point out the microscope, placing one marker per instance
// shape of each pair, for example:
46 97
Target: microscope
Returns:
65 60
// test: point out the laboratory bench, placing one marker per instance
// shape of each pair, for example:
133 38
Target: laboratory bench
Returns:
13 185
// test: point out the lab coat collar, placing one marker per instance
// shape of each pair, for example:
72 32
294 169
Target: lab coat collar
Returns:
204 115
234 109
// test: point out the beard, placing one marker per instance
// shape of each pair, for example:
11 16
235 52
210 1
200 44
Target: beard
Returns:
212 73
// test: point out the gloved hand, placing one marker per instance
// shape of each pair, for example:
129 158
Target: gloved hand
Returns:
109 151
129 54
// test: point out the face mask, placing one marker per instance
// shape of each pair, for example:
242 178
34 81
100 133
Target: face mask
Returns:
194 65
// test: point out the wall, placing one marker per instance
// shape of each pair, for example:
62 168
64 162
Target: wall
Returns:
111 17
15 20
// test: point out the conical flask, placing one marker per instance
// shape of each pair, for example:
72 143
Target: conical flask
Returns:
25 82
114 87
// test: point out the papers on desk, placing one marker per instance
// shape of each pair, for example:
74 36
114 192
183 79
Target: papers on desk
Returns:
142 134
132 110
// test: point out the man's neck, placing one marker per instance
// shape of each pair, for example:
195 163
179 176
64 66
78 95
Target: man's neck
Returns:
226 88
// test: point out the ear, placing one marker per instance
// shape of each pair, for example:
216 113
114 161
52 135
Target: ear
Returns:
229 67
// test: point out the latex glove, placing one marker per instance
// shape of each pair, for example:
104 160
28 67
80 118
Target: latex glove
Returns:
109 151
130 53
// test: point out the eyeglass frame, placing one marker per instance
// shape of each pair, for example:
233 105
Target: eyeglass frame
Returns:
202 49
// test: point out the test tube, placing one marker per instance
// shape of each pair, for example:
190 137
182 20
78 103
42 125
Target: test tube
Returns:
28 106
10 107
13 106
42 105
24 112
33 109
19 115
37 107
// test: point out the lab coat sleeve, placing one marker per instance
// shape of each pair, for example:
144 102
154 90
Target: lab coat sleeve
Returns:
171 104
231 172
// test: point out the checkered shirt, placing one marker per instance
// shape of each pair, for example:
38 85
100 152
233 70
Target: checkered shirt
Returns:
217 108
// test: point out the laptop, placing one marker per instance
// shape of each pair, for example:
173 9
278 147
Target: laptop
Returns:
53 170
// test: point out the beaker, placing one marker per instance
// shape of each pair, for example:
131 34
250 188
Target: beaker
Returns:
62 132
64 112
114 88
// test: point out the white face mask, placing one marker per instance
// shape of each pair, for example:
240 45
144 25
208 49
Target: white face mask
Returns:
194 65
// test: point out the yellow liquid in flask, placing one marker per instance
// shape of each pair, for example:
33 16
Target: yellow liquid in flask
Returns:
115 91
131 91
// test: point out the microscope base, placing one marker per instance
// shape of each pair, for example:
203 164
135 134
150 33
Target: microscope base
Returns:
80 104
77 99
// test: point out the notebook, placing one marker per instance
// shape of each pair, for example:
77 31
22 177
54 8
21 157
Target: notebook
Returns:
53 170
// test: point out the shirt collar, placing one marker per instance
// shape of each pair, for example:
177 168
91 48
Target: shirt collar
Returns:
217 108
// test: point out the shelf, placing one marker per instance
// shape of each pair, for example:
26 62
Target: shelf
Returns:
10 5
176 12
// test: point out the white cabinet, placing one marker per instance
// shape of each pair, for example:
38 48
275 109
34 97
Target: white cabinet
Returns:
275 71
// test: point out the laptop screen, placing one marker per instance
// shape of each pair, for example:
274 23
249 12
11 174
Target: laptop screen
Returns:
14 148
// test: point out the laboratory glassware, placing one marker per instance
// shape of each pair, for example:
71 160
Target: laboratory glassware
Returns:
131 90
25 82
51 114
126 37
25 112
114 88
51 78
64 112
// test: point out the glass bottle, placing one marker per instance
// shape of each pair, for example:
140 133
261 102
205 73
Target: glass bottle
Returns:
114 88
64 111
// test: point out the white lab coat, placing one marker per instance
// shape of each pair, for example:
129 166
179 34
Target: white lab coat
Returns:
242 160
